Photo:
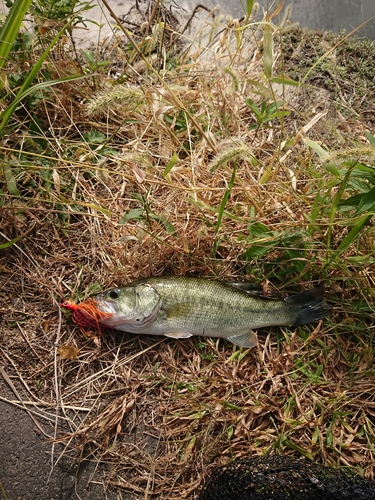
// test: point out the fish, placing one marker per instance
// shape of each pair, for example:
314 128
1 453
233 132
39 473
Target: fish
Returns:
184 306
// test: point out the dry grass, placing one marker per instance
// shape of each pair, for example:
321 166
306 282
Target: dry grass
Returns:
170 173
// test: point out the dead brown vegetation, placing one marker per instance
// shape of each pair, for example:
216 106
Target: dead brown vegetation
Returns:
102 209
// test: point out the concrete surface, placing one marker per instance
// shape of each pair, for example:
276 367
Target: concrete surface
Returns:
25 462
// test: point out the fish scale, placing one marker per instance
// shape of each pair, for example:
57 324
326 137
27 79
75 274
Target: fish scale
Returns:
215 306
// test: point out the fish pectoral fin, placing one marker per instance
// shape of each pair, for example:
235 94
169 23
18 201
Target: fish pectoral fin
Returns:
178 335
247 339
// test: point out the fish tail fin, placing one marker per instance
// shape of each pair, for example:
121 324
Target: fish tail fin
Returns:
310 306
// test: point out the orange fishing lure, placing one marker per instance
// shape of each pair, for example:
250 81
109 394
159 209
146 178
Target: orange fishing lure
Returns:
86 314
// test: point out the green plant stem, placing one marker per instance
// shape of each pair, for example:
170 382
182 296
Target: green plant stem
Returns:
9 32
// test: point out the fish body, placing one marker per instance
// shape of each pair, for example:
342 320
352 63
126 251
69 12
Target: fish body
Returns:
181 306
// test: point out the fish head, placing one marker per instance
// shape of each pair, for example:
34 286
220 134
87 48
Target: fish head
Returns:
136 305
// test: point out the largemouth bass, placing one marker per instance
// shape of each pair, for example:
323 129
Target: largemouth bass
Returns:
180 306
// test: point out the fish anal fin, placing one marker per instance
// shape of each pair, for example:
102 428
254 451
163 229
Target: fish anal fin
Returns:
178 335
246 339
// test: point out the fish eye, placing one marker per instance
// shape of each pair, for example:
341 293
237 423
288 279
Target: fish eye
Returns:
114 294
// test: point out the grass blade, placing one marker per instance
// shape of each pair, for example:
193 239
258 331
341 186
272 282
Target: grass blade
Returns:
172 162
11 242
225 199
26 90
249 7
9 32
268 50
350 237
10 180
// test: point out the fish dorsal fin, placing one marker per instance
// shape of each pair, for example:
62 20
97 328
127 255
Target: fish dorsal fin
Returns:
178 335
247 339
246 286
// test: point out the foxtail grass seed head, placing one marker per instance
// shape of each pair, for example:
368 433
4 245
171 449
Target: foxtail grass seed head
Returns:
229 151
119 96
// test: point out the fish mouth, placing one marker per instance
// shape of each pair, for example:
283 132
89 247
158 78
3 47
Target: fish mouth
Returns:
105 307
113 317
